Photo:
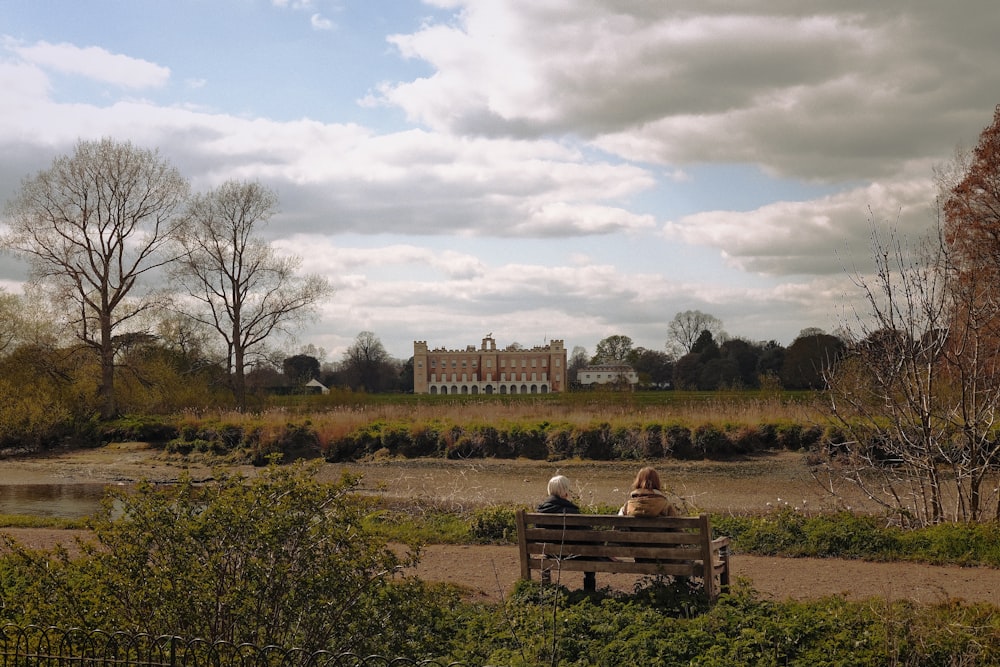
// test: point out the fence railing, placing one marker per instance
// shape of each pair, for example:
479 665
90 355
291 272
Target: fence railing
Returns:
38 646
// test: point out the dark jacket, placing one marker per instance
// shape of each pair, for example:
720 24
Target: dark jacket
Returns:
557 505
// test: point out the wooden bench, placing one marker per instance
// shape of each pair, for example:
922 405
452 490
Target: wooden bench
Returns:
676 546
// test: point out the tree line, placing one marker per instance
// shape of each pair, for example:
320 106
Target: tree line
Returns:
133 266
700 356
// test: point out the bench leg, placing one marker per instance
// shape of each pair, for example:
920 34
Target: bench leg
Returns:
589 581
545 575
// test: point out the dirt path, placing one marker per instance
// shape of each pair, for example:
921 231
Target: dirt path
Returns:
487 570
490 572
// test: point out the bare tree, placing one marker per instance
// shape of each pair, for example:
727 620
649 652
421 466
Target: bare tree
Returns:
243 289
578 359
365 362
917 393
93 225
685 328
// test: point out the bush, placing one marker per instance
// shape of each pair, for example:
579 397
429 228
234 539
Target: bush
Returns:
275 559
139 428
709 441
493 524
678 442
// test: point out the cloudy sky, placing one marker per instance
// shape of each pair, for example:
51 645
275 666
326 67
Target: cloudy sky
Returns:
535 169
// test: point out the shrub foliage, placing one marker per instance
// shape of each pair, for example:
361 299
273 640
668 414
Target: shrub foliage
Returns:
276 559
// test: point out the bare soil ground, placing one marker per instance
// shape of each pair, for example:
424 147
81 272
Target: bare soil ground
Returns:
489 572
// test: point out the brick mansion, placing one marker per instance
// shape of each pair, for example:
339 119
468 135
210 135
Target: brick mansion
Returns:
487 370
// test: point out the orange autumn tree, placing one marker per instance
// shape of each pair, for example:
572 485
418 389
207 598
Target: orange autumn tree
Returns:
971 208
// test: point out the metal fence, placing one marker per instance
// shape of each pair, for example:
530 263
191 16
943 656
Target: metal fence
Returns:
37 646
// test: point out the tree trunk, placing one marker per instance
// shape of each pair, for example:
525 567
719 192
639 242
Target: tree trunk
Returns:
107 353
239 377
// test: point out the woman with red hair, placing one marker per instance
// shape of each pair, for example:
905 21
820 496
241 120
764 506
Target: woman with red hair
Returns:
646 498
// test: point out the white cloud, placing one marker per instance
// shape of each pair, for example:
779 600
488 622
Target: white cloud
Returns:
547 145
830 91
826 236
94 63
318 22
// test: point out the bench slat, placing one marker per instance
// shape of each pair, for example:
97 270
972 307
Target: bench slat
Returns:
617 536
556 550
676 546
573 565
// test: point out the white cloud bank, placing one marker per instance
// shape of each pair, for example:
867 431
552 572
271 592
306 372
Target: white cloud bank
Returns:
559 145
93 63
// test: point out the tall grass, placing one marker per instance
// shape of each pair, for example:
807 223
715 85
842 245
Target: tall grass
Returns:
340 413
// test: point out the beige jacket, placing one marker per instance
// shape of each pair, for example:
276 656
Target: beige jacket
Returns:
648 502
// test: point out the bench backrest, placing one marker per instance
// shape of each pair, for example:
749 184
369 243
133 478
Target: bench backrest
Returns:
680 546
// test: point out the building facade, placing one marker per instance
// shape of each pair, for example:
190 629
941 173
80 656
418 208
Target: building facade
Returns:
487 370
620 374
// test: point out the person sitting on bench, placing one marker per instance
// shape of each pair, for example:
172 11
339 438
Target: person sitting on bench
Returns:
558 502
646 498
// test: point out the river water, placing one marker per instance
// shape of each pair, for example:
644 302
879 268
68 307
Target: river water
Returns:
51 500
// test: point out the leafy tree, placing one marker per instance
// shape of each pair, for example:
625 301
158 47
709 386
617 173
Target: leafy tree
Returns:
654 367
808 359
744 356
687 372
156 378
684 330
93 226
406 376
242 288
43 392
278 559
300 368
613 350
718 373
772 358
705 346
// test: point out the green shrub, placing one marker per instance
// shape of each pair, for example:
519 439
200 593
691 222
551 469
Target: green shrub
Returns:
709 441
593 442
422 441
652 441
179 446
493 524
530 443
558 443
277 559
138 428
678 442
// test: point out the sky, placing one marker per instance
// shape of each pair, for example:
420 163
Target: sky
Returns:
530 169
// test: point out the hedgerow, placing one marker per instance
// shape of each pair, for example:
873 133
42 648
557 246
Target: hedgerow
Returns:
538 626
599 441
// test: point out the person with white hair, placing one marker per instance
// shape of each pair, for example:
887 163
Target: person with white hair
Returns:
558 502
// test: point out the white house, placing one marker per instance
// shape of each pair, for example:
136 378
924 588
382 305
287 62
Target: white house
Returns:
607 374
316 383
